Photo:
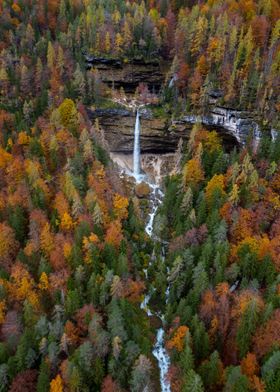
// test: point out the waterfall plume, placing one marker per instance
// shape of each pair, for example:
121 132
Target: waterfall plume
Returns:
136 150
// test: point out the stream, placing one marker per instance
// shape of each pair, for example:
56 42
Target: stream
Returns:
159 350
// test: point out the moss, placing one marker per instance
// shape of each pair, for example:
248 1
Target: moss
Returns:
159 111
105 103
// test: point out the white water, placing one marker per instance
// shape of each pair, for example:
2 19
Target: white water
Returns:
163 360
136 150
159 350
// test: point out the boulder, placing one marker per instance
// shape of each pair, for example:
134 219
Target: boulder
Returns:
142 190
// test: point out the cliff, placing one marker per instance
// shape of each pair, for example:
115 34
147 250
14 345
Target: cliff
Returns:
157 136
160 135
128 75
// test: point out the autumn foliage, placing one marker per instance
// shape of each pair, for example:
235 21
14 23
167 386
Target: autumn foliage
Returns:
76 264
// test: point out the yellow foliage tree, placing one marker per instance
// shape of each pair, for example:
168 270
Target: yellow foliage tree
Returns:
21 286
193 172
120 205
5 158
93 238
56 384
118 43
212 142
32 169
107 42
251 242
234 195
67 223
50 55
23 138
46 239
217 182
67 249
44 282
68 113
61 204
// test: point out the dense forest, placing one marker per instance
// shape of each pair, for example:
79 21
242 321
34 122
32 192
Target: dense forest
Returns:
75 260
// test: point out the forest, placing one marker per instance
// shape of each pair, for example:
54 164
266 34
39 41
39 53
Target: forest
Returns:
76 262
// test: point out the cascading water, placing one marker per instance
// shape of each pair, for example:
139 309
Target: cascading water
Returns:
136 150
159 350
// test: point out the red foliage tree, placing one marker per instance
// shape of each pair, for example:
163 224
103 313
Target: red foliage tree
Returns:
267 336
25 381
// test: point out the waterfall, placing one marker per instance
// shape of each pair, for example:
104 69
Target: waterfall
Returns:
136 150
159 350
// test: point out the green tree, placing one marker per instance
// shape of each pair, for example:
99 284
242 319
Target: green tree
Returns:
236 381
247 327
192 382
43 383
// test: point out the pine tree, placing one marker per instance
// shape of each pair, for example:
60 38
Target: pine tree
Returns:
193 382
140 377
50 56
186 357
43 383
211 372
236 381
247 327
199 338
79 82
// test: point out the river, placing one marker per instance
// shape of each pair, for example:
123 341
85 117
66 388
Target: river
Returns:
159 350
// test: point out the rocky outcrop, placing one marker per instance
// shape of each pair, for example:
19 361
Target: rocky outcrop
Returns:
239 124
155 166
159 135
116 73
156 135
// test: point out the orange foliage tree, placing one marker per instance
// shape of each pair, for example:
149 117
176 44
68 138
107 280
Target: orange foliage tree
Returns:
114 234
178 339
8 246
267 336
56 384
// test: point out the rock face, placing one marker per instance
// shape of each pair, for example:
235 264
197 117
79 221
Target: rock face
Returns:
116 73
156 135
155 166
237 123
